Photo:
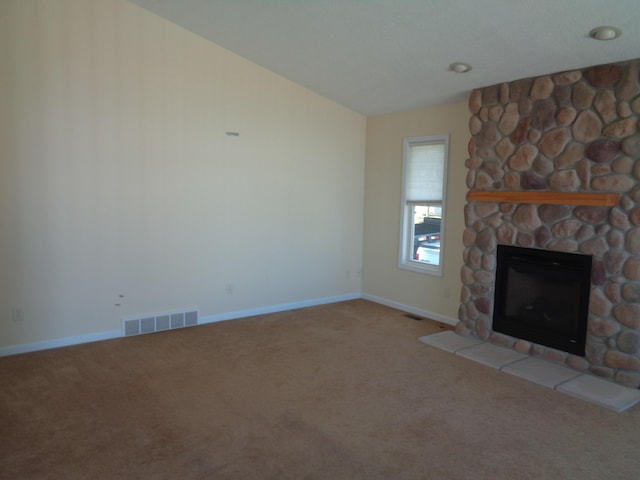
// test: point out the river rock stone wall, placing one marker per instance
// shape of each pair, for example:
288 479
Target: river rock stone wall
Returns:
575 131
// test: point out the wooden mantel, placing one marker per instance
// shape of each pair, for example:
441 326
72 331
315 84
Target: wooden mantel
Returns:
563 198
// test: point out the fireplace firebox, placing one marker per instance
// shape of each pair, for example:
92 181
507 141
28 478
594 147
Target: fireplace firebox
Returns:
543 296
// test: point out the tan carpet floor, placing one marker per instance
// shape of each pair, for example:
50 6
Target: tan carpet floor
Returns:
341 391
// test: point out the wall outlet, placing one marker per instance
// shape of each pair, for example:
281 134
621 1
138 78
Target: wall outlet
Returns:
17 315
447 292
229 288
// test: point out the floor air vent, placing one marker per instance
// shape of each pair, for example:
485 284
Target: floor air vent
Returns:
157 323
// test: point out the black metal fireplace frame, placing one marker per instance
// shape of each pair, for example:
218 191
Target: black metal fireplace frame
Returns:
567 265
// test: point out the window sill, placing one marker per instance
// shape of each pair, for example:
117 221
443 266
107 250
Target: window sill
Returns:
427 269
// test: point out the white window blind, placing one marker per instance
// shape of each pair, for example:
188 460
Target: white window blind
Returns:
425 170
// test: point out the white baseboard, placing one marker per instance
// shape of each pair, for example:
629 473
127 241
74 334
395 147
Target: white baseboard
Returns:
59 342
407 308
220 317
99 336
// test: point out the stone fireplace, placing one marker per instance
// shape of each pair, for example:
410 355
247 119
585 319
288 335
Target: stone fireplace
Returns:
575 137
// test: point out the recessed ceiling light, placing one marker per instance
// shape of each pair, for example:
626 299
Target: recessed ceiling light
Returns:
459 67
605 32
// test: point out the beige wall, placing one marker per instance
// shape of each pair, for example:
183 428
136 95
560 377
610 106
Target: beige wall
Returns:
117 177
382 279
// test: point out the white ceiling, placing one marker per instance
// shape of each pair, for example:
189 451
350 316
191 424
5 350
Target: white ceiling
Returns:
382 56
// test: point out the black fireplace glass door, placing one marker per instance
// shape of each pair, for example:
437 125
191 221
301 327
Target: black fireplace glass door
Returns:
543 296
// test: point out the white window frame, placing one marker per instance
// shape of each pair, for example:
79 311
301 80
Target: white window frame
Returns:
406 260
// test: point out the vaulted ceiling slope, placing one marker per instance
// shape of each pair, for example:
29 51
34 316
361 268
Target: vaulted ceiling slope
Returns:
383 56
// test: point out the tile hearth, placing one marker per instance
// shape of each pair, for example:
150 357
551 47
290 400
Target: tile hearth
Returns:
572 382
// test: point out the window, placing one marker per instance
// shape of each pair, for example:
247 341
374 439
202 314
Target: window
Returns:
423 210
